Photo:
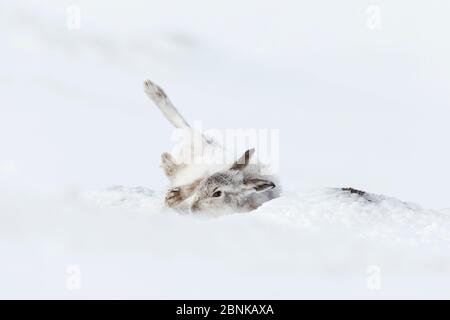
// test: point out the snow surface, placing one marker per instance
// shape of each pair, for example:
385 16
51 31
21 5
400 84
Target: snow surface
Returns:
355 107
319 244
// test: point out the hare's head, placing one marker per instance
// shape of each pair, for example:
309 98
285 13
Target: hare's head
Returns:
229 190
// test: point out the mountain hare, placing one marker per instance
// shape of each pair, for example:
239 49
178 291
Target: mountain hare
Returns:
199 178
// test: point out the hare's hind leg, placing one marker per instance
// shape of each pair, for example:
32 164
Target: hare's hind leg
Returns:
159 97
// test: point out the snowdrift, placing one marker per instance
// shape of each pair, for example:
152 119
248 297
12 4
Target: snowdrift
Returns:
323 243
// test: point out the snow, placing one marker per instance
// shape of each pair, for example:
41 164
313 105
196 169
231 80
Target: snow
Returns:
321 243
355 107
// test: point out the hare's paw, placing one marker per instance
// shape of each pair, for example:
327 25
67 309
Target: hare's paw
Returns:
168 164
174 197
154 91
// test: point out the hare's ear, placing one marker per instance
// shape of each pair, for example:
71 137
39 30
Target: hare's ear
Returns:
244 160
258 185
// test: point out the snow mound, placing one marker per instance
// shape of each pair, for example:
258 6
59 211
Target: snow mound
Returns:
137 198
367 215
323 243
370 216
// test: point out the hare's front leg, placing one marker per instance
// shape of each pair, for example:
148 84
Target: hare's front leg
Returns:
177 195
169 166
174 197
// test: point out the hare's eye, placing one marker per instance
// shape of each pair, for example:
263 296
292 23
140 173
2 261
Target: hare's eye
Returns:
217 194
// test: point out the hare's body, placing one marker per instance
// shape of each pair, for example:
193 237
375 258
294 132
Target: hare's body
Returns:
200 178
193 158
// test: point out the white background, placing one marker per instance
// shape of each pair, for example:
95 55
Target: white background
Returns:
356 104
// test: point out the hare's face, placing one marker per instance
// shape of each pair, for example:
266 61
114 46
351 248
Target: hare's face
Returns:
228 190
218 192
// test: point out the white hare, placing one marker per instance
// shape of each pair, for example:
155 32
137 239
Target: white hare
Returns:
200 180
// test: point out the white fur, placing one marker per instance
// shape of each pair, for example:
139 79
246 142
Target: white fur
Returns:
198 158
